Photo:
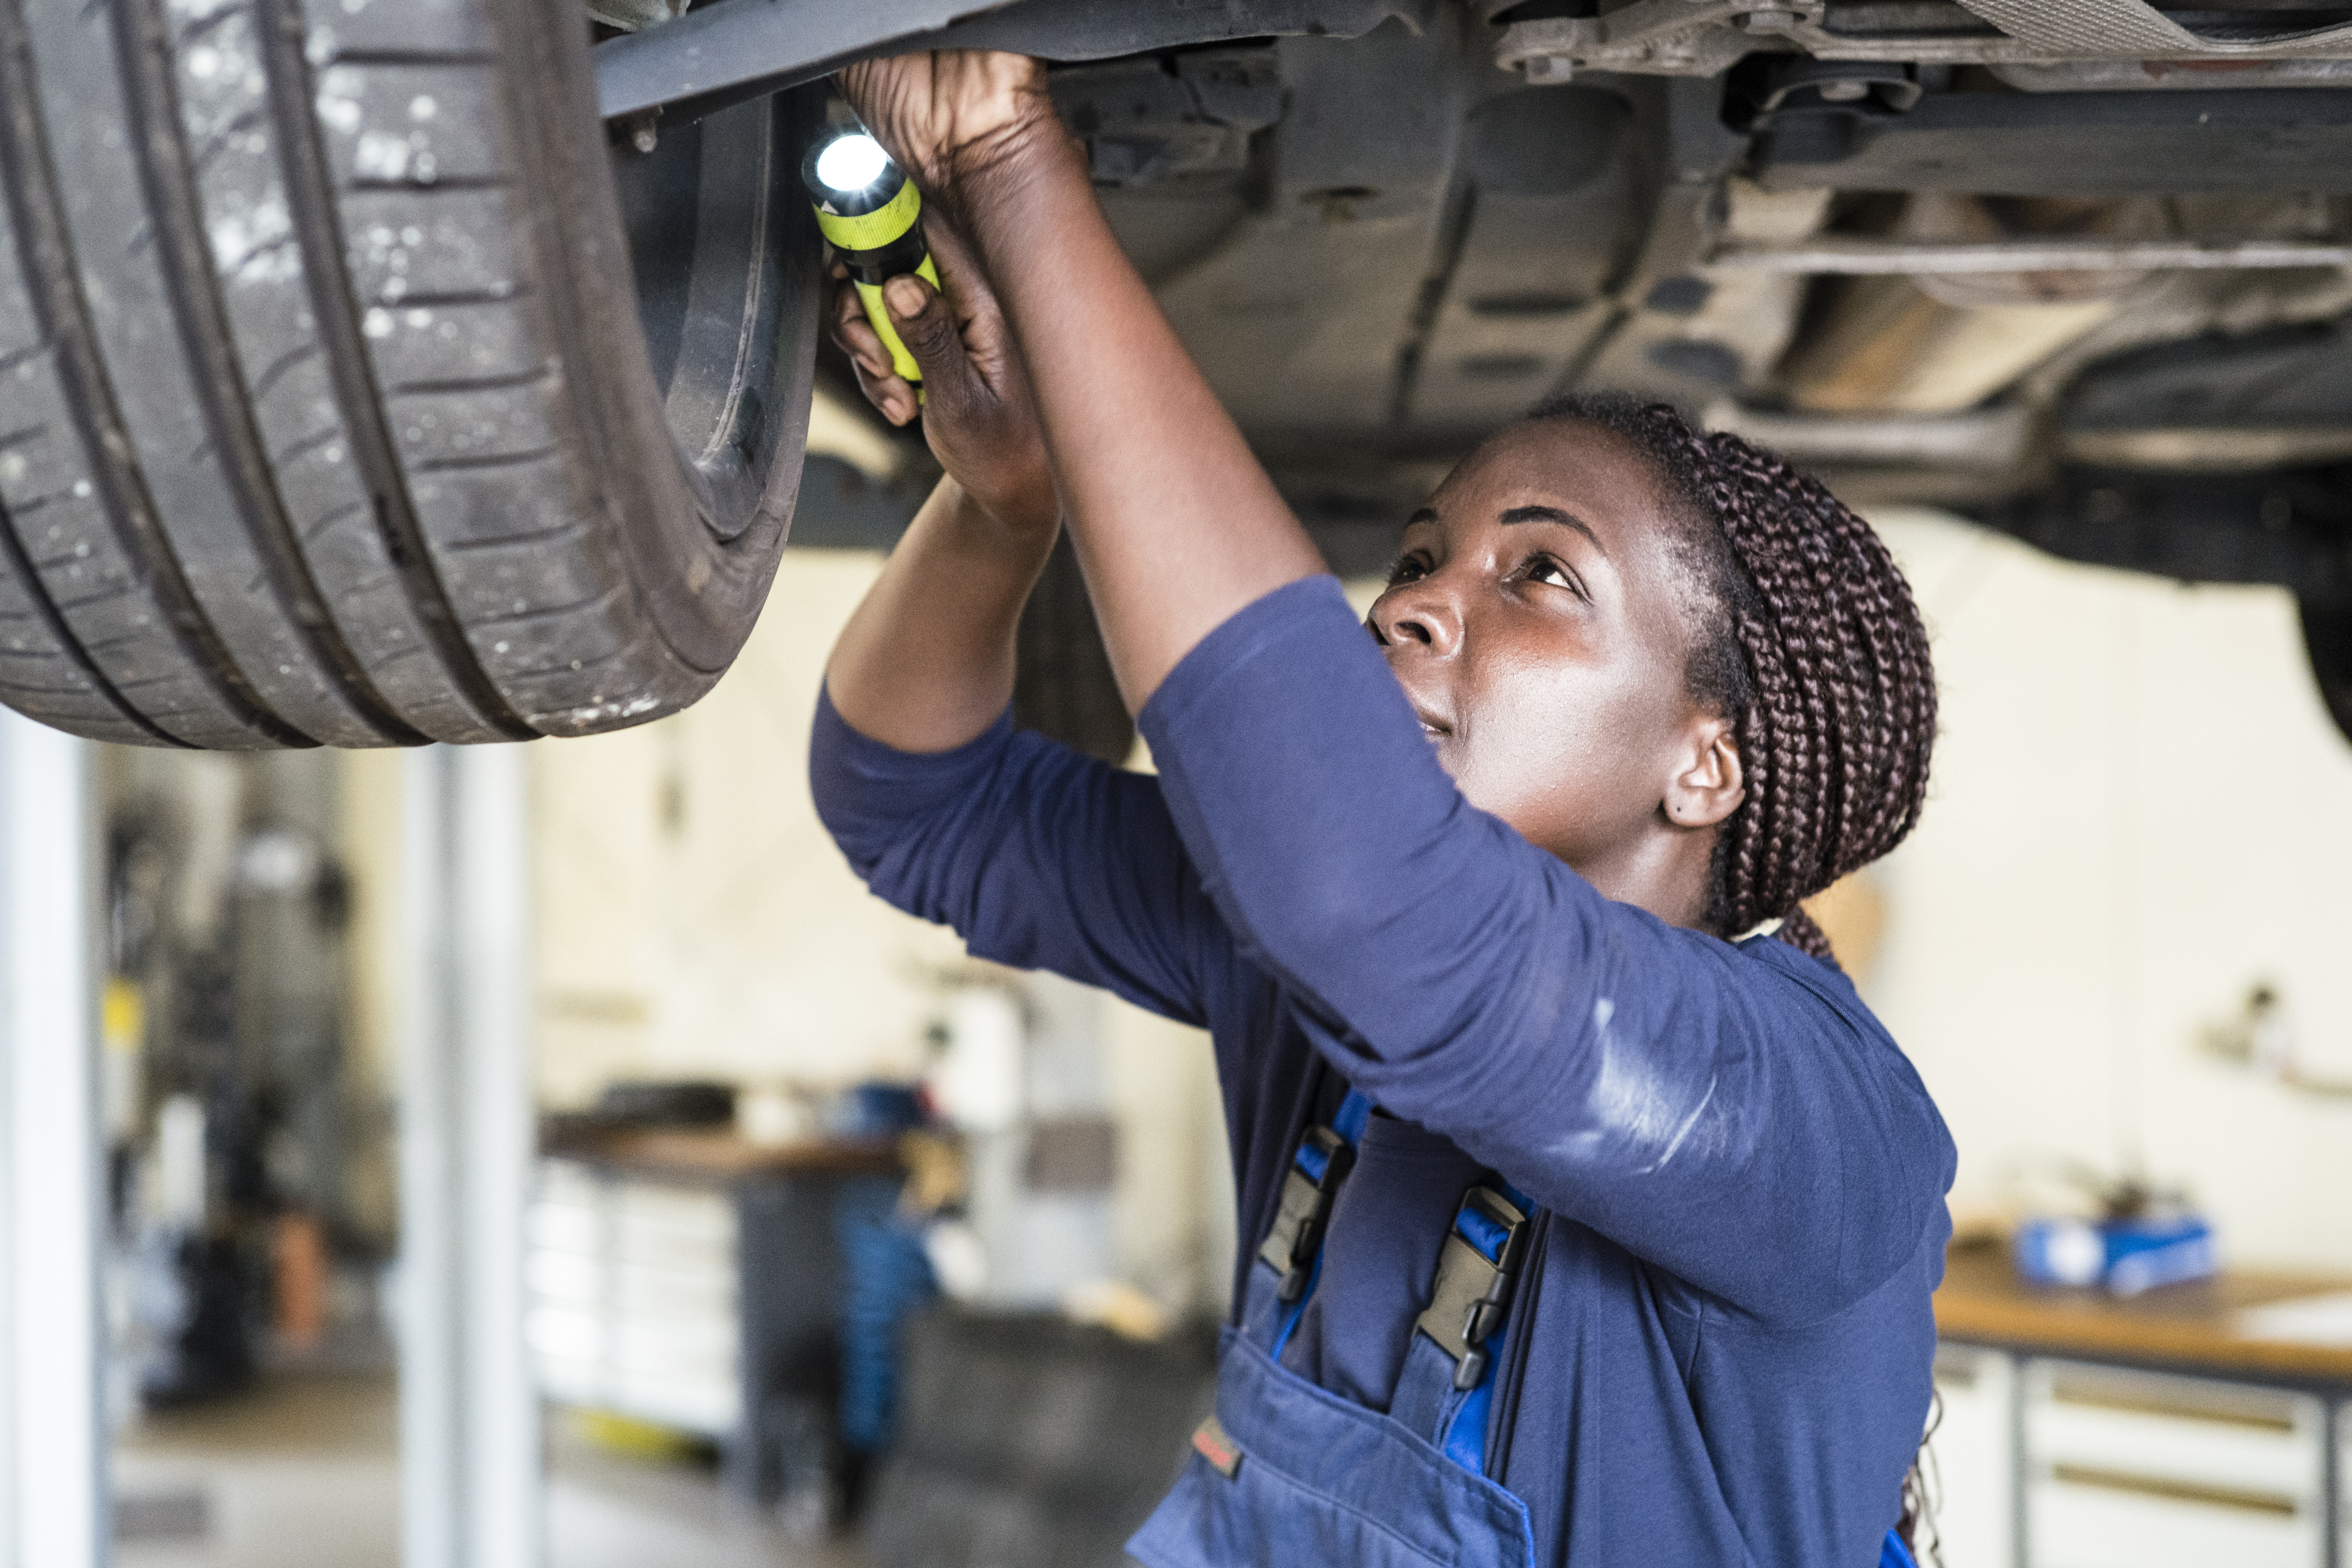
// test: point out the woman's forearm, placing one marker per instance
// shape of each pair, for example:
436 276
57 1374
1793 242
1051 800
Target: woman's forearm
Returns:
926 662
1176 523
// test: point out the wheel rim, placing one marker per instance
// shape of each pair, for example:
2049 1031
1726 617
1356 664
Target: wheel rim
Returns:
721 247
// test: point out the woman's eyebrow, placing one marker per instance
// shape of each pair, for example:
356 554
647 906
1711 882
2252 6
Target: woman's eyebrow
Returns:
1553 514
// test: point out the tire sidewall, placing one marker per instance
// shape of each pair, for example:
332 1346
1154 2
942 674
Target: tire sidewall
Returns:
701 593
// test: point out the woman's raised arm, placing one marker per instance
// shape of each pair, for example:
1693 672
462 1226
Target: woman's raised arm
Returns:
926 663
1175 523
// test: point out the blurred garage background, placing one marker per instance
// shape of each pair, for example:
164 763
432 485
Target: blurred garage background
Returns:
841 1247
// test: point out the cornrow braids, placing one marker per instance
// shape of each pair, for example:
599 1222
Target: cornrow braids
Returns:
1809 634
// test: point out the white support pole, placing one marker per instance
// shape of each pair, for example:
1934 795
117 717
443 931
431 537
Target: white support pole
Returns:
470 1461
53 1438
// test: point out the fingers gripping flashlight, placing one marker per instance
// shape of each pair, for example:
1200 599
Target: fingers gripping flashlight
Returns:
872 213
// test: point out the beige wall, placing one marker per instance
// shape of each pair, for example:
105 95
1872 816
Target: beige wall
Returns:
693 917
1172 1208
2139 809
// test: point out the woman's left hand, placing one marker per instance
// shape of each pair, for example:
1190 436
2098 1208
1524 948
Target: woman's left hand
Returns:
948 114
977 412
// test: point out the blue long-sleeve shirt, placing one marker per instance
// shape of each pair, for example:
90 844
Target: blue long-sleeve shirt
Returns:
1722 1350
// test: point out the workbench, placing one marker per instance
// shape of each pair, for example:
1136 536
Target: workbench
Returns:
2081 1430
694 1281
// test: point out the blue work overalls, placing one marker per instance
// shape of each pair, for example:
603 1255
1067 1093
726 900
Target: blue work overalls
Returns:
1286 1474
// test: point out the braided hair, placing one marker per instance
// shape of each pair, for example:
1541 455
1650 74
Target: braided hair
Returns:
1807 633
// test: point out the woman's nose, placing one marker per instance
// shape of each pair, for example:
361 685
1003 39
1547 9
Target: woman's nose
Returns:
1423 612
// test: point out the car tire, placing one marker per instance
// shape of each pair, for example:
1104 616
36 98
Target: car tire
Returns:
332 411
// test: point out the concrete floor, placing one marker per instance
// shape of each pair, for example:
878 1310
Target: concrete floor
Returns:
305 1471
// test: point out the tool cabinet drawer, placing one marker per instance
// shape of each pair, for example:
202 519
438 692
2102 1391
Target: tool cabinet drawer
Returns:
635 1298
653 1372
671 1215
559 1226
665 1229
1975 1456
705 1300
2132 1470
710 1406
701 1292
2344 1483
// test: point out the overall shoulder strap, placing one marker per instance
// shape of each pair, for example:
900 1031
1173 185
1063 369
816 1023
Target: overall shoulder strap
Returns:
1446 1390
1293 1248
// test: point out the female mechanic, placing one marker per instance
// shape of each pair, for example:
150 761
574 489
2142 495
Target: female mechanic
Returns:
1584 1222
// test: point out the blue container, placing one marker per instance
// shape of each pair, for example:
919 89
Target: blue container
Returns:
2144 1253
874 1109
2125 1256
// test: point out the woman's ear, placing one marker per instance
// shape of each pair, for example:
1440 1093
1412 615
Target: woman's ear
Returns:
1708 783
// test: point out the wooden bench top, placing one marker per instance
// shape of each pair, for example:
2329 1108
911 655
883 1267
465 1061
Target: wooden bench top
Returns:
2191 1328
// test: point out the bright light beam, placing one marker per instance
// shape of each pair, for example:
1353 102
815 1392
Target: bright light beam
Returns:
852 163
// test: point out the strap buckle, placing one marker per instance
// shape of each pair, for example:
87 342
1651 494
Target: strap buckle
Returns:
1322 1162
1476 1269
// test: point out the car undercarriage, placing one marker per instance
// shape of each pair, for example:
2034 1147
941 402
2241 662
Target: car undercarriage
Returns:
440 370
2089 284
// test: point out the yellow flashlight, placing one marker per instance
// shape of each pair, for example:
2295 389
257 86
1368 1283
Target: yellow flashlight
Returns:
872 213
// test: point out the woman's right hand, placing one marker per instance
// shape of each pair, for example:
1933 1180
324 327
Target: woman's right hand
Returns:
978 416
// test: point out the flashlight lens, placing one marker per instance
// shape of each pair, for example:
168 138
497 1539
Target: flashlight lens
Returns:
852 163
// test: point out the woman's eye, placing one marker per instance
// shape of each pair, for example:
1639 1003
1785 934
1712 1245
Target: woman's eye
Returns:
1544 569
1407 568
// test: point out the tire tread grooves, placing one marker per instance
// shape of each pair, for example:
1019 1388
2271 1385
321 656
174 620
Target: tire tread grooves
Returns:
279 29
143 45
276 503
39 220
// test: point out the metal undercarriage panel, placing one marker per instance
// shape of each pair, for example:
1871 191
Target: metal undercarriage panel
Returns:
1975 251
1702 37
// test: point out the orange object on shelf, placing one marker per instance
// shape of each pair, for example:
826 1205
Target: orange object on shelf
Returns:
298 1256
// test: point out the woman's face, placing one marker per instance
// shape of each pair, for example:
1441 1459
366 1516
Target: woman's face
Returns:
1539 619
